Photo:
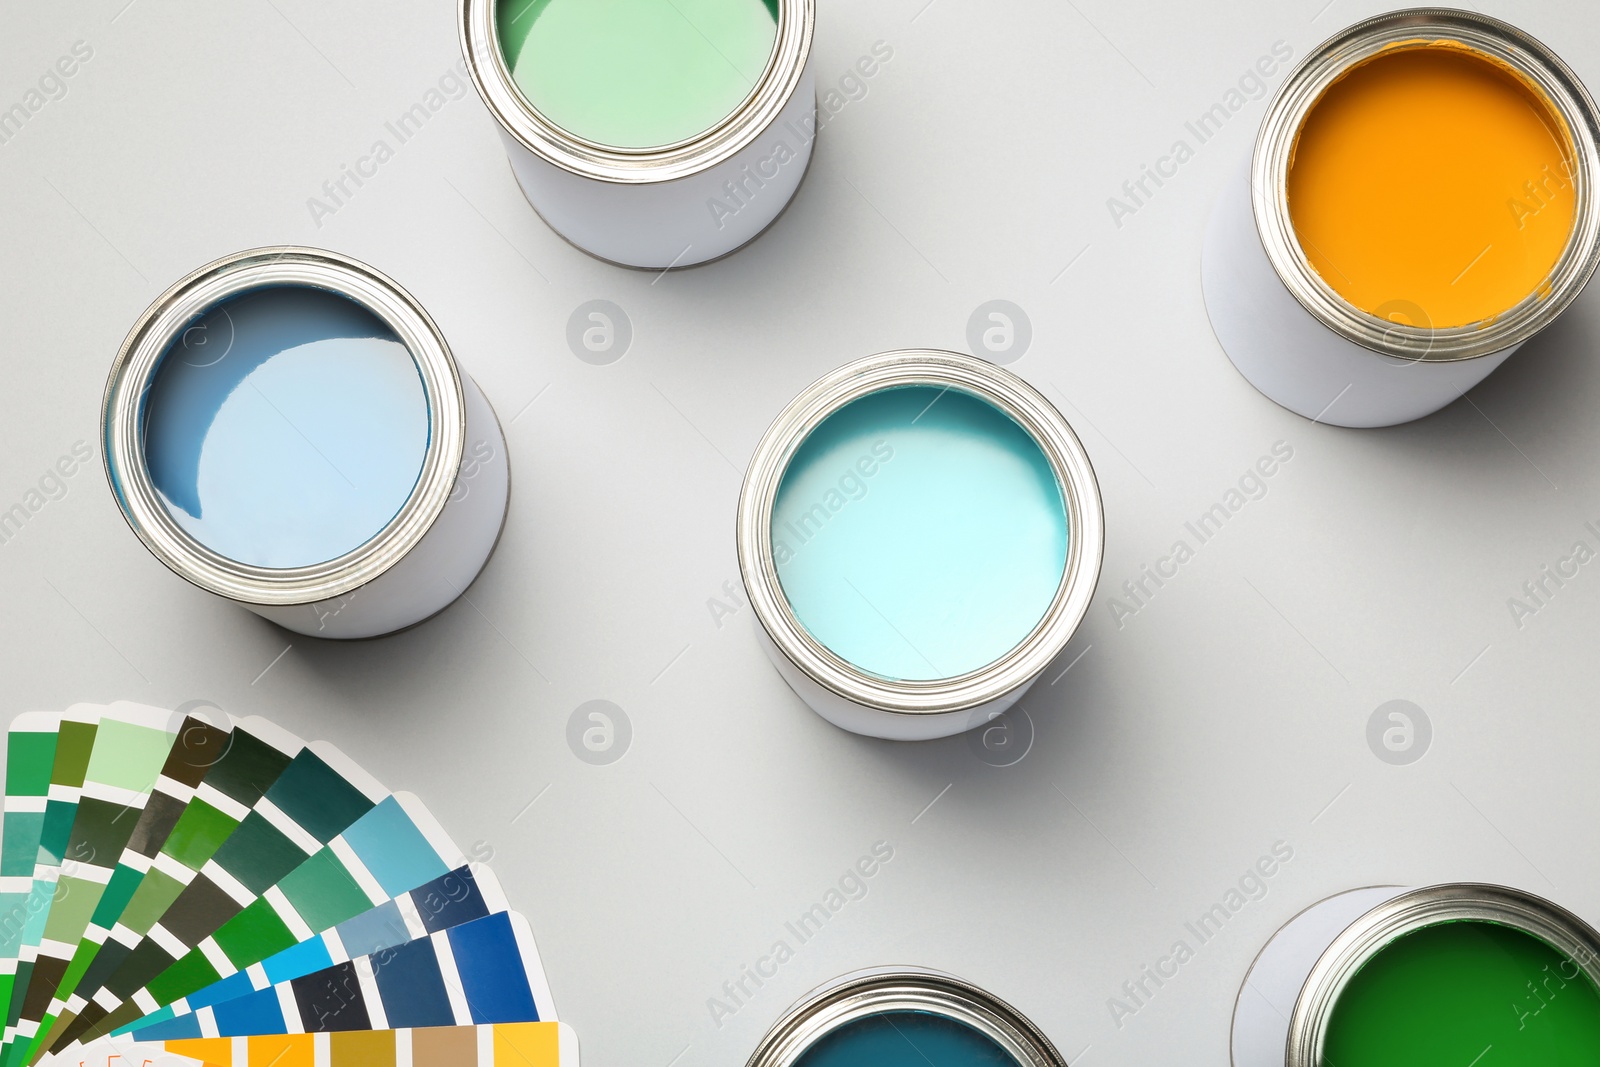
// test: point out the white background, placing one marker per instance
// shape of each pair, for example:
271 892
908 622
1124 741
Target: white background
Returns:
1228 714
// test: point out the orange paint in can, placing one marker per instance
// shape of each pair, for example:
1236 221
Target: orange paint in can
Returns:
1433 185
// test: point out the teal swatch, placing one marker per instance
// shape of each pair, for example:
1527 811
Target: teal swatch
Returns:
919 533
636 73
285 427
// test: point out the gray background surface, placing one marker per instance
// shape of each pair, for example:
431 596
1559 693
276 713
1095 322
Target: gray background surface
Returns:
1229 713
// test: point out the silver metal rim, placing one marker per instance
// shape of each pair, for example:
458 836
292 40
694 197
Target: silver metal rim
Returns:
123 433
884 989
1274 151
636 166
1025 406
1414 910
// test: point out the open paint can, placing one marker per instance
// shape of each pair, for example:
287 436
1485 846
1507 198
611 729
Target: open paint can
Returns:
286 428
1391 977
920 534
650 133
1421 201
903 1017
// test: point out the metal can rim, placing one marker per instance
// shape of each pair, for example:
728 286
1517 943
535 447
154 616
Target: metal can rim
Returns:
556 145
1413 910
141 352
1280 129
879 989
1025 406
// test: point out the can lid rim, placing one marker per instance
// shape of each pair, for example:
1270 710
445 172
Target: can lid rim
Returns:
140 354
1274 150
1025 406
780 79
882 989
1413 910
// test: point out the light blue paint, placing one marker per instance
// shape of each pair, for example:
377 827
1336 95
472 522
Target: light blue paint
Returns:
308 957
394 851
919 533
371 931
905 1039
285 427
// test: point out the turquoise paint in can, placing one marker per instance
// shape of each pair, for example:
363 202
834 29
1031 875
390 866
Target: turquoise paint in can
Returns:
920 534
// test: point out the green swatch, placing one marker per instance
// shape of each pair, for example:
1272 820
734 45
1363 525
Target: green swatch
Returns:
30 757
131 745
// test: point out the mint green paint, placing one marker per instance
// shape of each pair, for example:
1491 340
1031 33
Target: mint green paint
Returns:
636 73
919 534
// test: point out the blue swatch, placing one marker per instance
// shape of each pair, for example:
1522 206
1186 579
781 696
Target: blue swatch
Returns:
493 973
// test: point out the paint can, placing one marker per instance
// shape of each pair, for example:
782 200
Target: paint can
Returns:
286 428
919 534
895 1015
683 188
1353 347
1320 985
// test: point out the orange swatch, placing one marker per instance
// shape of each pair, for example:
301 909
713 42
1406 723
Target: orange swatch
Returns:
1432 185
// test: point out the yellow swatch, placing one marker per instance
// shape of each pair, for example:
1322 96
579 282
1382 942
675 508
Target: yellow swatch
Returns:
527 1045
1432 185
283 1050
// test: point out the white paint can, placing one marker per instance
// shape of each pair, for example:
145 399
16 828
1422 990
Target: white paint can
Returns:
1292 334
920 534
703 195
287 428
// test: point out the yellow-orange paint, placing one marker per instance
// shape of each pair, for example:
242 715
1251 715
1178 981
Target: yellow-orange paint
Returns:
1432 177
211 1051
283 1050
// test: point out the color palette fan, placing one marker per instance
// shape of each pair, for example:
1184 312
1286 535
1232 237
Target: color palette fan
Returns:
185 890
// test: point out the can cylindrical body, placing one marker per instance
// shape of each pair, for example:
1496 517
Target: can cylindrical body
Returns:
905 995
673 206
1282 1015
1303 344
847 681
421 559
1296 360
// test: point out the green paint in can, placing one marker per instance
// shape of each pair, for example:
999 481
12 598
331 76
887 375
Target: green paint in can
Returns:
636 73
1464 992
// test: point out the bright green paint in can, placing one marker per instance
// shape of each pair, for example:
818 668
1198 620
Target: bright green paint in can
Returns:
636 73
1466 992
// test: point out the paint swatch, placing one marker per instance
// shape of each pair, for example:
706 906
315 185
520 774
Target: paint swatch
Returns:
542 1044
120 750
182 889
154 870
